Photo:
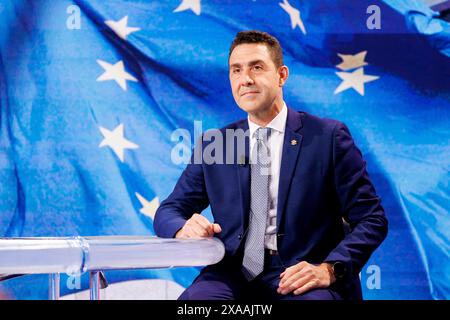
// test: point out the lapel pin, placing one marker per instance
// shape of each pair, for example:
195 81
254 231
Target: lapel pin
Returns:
293 142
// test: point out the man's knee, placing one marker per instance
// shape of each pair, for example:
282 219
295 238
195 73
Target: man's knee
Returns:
316 294
213 284
208 290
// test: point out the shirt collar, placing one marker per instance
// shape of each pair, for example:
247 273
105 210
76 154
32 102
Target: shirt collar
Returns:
278 123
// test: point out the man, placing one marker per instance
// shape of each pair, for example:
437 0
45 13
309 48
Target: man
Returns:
281 209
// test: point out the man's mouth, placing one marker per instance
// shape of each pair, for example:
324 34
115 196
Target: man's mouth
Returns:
248 93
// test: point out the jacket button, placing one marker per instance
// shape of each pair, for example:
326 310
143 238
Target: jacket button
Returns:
279 235
240 236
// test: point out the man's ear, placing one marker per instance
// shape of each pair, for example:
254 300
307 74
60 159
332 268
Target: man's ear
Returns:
283 72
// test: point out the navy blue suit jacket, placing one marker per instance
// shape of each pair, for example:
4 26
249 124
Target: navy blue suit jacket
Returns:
323 181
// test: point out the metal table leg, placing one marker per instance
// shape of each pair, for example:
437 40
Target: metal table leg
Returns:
53 287
94 284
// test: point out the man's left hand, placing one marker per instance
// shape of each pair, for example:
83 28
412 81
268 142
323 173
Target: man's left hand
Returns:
303 277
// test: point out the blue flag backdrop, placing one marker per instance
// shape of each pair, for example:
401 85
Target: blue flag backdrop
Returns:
92 90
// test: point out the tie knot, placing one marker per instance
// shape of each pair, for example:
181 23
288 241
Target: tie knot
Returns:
262 134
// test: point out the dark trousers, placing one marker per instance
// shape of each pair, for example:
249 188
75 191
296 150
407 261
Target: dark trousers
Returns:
225 281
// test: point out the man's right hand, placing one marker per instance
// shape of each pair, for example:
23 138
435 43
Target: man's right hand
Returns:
198 227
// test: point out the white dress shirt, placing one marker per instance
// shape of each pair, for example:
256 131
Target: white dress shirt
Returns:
275 145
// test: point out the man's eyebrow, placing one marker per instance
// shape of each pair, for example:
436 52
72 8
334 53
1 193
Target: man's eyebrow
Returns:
250 63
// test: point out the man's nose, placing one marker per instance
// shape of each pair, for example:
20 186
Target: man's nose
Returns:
247 80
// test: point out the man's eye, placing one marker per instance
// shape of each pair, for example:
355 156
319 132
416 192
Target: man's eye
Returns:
235 71
257 68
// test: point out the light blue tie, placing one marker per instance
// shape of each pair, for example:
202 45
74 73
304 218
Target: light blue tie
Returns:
253 262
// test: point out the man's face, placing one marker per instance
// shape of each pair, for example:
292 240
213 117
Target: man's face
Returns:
254 78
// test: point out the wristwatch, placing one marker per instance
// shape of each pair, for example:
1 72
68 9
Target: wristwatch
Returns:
339 269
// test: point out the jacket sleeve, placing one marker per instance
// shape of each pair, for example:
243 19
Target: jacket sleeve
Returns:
360 206
188 197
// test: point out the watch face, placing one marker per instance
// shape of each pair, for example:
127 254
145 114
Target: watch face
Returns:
339 269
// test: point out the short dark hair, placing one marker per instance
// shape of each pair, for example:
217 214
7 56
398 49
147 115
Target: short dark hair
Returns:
256 36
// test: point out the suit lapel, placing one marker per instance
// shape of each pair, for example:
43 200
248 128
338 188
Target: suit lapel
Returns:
289 159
